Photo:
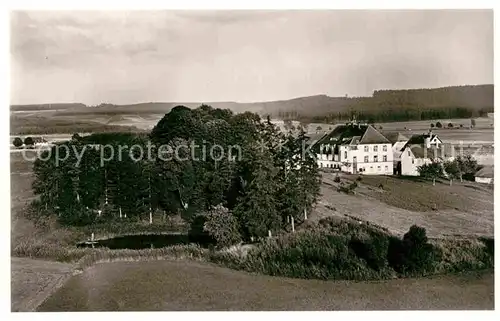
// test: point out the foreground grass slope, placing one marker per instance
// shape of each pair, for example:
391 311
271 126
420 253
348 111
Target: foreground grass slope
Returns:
194 286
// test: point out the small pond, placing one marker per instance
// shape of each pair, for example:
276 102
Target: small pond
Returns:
136 242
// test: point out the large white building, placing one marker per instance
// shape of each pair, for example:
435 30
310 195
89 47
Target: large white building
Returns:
355 148
421 150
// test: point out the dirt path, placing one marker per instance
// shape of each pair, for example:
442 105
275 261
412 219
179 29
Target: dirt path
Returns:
33 281
168 285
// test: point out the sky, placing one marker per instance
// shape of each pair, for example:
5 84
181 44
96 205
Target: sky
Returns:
117 57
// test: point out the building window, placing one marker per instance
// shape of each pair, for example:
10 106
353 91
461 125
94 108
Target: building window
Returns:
375 158
366 148
371 167
354 159
321 164
384 148
385 158
345 154
366 159
375 148
387 168
413 161
378 168
408 153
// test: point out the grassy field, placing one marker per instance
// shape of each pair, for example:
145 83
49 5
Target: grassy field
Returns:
33 281
181 286
44 123
482 133
462 209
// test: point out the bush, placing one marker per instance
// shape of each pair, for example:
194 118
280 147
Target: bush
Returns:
439 125
416 235
450 125
432 125
373 250
311 255
336 179
413 255
223 226
349 189
18 142
465 254
359 178
28 141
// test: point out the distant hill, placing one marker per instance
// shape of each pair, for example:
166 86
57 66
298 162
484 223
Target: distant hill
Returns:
383 105
56 106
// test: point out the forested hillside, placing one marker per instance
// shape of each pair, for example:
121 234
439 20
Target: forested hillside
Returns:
382 106
397 105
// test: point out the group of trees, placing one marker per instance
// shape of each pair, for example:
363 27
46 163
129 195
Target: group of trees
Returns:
459 168
28 142
262 183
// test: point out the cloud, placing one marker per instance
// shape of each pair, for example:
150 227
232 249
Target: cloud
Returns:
120 56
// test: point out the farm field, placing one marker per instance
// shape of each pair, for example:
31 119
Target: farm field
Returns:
483 133
181 286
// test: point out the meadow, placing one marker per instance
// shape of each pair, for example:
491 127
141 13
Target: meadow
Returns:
196 286
463 209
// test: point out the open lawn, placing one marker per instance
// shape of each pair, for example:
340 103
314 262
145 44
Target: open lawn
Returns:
181 286
33 281
462 209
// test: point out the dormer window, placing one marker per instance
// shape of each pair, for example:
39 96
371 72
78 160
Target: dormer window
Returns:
384 148
366 149
375 148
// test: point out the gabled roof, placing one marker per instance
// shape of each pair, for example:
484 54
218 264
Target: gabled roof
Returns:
395 137
420 139
313 138
486 171
341 134
353 134
373 136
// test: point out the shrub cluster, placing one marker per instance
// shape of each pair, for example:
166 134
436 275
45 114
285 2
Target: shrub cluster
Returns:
353 251
348 189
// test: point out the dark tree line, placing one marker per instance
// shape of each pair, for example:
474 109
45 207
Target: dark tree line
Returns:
262 184
394 105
